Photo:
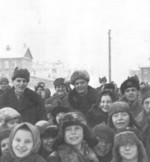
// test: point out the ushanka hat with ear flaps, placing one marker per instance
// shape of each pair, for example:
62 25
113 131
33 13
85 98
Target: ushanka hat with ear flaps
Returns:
127 136
79 74
21 73
130 82
75 118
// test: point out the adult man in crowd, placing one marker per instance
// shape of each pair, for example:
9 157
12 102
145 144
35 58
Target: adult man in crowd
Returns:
130 89
82 96
23 99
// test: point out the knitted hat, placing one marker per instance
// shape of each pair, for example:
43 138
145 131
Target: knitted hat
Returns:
119 106
50 131
103 131
10 113
4 79
130 82
103 79
116 107
4 133
79 74
21 73
59 81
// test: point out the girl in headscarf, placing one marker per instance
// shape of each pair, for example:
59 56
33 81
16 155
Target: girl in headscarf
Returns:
24 144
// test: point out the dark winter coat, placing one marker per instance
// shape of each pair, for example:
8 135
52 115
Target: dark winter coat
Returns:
137 112
96 116
29 106
56 101
106 158
33 158
83 103
67 153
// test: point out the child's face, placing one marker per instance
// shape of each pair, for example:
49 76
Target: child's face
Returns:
146 105
105 103
103 147
12 123
121 120
47 143
4 145
73 135
128 151
60 89
22 143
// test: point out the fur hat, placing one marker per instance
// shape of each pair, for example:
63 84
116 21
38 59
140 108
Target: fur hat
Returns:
59 109
59 81
130 82
75 118
21 73
10 113
79 74
103 131
103 79
126 136
4 133
4 79
50 131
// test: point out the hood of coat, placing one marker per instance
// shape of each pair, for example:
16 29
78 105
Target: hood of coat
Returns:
35 135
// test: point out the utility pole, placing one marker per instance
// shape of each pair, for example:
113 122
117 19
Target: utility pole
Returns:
109 54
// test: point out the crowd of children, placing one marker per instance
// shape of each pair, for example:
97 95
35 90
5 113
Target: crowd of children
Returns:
79 124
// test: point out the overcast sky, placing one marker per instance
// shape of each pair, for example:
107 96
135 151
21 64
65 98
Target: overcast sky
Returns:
76 32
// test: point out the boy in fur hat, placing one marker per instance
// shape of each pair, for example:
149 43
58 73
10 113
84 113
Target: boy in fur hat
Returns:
75 141
82 96
105 136
24 144
23 99
128 147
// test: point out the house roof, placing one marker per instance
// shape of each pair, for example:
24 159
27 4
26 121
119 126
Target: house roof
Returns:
10 52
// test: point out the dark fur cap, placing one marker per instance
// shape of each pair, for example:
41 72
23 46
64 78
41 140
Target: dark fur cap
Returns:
21 73
130 82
